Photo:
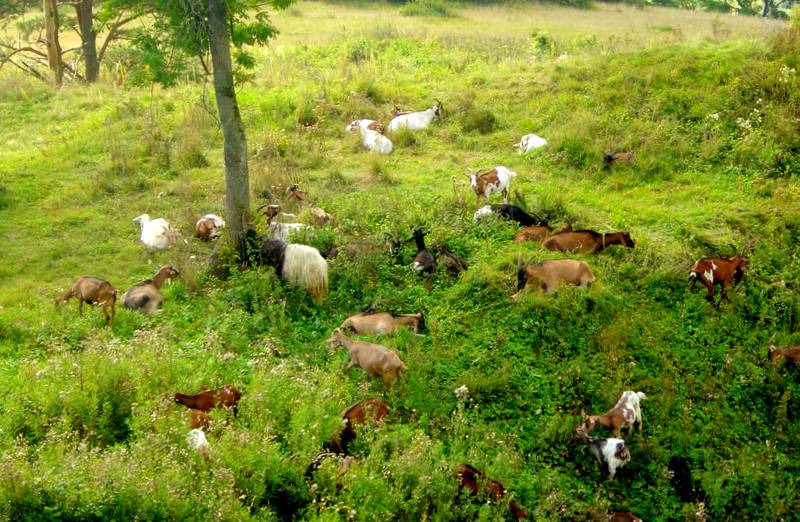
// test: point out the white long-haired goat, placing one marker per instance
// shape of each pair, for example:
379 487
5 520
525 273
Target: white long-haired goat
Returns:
300 265
417 120
157 234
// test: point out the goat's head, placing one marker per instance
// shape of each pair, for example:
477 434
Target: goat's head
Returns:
420 320
774 352
438 110
141 219
589 422
626 240
740 262
335 340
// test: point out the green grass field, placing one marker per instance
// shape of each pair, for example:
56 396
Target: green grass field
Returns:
709 104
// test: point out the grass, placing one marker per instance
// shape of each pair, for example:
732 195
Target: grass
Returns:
87 428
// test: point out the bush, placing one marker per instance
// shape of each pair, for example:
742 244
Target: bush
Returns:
426 8
481 120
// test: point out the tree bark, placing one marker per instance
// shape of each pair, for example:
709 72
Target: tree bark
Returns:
237 183
50 10
84 10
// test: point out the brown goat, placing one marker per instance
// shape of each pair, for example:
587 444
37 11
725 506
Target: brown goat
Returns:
374 359
372 410
207 227
792 355
539 232
470 478
626 413
622 516
94 291
548 275
226 397
199 420
146 296
718 271
616 158
583 241
382 322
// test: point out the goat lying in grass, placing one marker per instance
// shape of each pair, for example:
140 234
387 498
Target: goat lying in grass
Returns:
611 454
584 241
208 227
94 291
530 142
627 413
197 440
157 234
373 139
226 397
424 262
417 120
470 478
146 296
616 158
281 230
511 212
539 233
374 359
548 275
381 323
622 516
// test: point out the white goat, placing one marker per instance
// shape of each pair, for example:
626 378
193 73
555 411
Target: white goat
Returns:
530 142
372 138
417 120
157 234
197 440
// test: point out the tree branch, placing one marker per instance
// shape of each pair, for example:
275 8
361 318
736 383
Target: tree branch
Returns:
112 33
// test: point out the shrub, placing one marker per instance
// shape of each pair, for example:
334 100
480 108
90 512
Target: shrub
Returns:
481 120
426 8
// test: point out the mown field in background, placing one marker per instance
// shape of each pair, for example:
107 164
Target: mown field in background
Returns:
709 104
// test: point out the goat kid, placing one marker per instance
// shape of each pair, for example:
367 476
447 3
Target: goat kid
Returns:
145 296
382 323
226 397
627 413
530 142
718 271
548 275
94 291
612 454
374 359
486 182
472 479
417 120
208 226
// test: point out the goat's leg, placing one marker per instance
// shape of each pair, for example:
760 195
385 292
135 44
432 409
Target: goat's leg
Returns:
80 306
505 196
691 285
106 314
710 291
347 370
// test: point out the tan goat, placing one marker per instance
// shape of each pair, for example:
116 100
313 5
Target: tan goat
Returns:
94 291
374 359
146 296
548 275
792 355
381 322
627 413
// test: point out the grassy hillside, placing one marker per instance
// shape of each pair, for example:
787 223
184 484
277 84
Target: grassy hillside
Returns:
87 426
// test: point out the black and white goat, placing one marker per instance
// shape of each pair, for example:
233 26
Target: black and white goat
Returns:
611 453
300 265
424 262
511 212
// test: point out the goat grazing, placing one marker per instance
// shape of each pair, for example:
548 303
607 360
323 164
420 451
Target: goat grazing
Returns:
417 120
584 241
373 140
539 233
94 291
491 181
374 359
718 271
611 454
381 323
792 355
145 296
470 478
548 275
627 413
512 212
299 265
157 234
226 397
207 227
369 410
365 124
424 262
616 158
530 142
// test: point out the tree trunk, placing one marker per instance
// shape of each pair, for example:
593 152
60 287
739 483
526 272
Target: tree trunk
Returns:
88 39
50 10
237 183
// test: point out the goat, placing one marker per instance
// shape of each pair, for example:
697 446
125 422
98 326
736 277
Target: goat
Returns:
539 233
157 234
681 479
207 227
94 291
622 516
374 359
372 410
199 419
627 413
530 142
226 397
718 271
615 158
584 241
316 215
417 120
512 212
792 355
451 262
611 454
281 231
382 323
197 440
424 262
470 478
397 111
145 296
549 274
365 124
373 140
299 265
491 181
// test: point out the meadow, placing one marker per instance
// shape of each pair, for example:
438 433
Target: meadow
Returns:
710 104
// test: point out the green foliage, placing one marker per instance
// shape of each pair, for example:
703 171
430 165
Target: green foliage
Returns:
426 8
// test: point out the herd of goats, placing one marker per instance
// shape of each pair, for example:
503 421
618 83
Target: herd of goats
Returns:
307 267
